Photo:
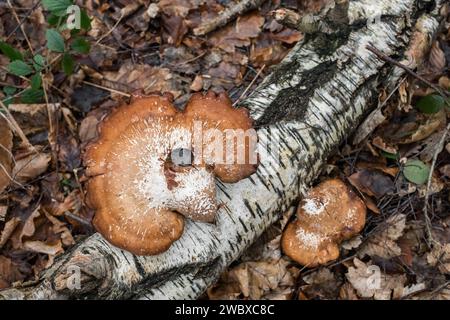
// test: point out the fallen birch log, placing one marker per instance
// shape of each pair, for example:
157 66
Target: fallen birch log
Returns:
310 102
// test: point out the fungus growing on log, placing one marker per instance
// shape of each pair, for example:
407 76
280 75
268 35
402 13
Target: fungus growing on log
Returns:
329 214
152 164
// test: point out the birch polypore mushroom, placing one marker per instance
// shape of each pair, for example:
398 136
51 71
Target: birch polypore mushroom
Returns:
153 164
329 214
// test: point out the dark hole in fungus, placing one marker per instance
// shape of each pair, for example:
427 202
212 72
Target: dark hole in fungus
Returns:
181 157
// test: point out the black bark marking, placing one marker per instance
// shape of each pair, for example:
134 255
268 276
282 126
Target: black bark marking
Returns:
292 102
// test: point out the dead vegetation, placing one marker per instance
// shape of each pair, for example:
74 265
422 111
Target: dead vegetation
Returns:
398 161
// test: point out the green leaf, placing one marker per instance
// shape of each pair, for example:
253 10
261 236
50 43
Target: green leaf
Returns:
53 20
67 64
389 155
10 52
432 103
80 45
36 81
38 62
19 68
85 21
55 41
57 7
7 102
9 91
32 96
416 171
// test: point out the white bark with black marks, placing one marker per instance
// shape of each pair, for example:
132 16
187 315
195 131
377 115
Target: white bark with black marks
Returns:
310 102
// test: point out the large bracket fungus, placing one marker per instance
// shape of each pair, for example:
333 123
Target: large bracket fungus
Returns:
152 164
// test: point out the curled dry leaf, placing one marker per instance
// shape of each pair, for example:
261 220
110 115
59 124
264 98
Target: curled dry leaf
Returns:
382 243
5 154
42 247
8 229
370 282
352 243
27 228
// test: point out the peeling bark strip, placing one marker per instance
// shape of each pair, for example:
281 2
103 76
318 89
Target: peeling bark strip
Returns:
314 98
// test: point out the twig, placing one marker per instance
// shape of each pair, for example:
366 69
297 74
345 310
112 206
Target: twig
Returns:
227 16
15 127
107 89
110 30
384 57
30 10
21 26
438 149
249 86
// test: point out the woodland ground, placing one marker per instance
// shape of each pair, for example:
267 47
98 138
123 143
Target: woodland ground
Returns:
58 88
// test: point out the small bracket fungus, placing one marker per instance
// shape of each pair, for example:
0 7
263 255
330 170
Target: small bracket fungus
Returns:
152 164
329 214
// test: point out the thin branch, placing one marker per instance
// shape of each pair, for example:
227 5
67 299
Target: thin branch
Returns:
386 58
107 89
438 149
226 16
250 85
15 126
21 26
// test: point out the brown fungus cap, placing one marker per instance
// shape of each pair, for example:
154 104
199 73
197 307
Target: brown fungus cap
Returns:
142 175
329 214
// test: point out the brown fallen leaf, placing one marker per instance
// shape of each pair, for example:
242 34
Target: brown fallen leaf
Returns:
413 126
197 83
266 51
26 229
8 229
347 292
436 62
238 34
61 229
9 272
321 284
372 182
255 280
30 166
6 144
440 256
442 294
146 78
50 249
382 145
382 243
370 282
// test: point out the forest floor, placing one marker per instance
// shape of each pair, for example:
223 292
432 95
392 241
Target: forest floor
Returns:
56 85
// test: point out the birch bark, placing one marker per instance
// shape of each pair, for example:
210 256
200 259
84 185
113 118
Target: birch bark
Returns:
311 101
